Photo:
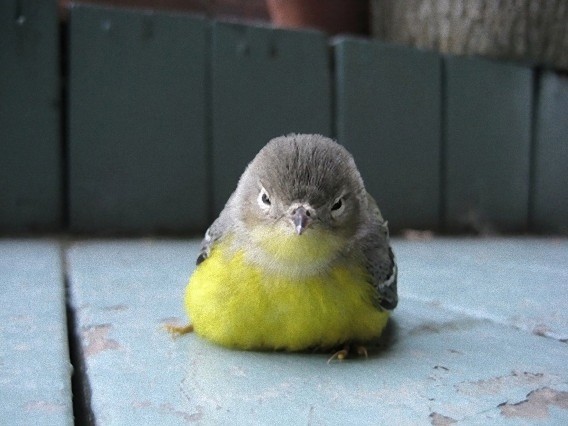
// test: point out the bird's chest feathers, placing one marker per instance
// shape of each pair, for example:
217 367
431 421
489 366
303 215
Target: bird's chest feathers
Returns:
243 304
280 252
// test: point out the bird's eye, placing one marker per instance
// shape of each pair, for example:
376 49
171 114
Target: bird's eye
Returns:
338 207
263 199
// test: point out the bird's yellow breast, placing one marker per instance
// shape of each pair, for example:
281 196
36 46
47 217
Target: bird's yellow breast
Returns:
238 303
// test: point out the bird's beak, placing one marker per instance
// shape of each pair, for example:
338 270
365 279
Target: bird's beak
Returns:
301 219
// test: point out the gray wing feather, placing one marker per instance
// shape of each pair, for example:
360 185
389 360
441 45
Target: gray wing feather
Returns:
205 249
214 232
379 257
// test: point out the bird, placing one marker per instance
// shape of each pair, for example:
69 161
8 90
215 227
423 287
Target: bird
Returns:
299 259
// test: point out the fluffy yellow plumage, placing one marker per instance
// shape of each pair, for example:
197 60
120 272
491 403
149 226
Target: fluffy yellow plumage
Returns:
238 304
298 259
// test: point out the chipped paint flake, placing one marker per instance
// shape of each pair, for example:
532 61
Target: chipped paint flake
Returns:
96 340
536 405
438 419
170 409
45 406
116 308
495 385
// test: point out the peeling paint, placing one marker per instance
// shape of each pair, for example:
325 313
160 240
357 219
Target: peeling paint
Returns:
541 330
198 415
238 371
96 340
438 419
495 385
45 406
142 404
116 308
536 405
169 408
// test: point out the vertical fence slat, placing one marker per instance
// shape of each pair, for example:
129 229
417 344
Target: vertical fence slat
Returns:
137 121
487 145
266 83
550 186
30 162
388 116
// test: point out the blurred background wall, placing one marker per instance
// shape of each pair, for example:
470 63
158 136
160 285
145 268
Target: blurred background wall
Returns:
138 117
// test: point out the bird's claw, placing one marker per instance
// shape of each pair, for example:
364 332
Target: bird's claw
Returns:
362 351
344 353
339 355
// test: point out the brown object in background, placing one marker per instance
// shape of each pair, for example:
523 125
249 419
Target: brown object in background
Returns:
331 16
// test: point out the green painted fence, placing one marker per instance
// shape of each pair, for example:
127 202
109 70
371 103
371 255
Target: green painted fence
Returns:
393 130
137 125
264 83
162 112
31 178
487 145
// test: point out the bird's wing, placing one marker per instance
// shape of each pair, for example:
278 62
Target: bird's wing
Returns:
217 229
379 257
211 235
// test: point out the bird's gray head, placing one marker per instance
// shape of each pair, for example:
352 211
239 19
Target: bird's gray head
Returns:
303 181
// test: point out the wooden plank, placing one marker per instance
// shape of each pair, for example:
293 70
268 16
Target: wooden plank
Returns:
35 370
30 147
137 121
487 147
388 116
133 367
266 83
550 191
500 273
465 362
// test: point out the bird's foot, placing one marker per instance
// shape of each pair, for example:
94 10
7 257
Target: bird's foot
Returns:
177 330
362 351
340 355
344 353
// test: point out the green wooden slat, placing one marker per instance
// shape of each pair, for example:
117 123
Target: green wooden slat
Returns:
487 145
388 116
35 369
550 196
266 83
30 164
137 121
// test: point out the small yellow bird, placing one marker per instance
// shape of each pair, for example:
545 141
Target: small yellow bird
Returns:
298 259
